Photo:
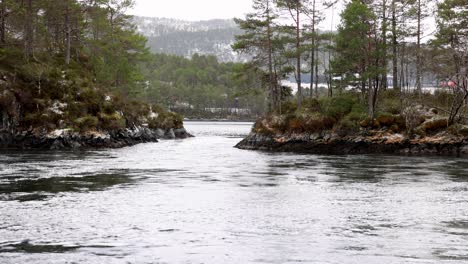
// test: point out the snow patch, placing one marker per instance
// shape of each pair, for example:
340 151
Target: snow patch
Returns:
58 108
153 115
58 133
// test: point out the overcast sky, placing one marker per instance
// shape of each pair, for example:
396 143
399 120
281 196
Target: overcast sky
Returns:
192 9
195 10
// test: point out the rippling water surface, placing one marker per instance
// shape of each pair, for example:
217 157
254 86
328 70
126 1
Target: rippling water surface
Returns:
202 201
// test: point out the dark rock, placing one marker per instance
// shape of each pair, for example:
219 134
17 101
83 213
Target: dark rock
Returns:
72 140
170 134
334 144
181 133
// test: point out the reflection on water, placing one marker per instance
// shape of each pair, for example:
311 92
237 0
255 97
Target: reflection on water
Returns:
26 247
202 201
24 189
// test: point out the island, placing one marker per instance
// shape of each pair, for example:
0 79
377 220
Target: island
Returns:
340 126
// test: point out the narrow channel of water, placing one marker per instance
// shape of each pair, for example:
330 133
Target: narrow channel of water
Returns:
202 201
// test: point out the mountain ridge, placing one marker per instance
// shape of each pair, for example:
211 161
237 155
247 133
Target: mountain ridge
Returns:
186 38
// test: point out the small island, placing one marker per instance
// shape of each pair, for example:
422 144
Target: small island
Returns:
80 116
75 75
340 125
377 91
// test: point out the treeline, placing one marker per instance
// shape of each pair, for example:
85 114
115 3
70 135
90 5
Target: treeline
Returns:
95 35
82 65
186 43
202 87
379 44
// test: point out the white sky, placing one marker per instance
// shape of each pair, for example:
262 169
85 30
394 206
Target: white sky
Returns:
192 10
195 10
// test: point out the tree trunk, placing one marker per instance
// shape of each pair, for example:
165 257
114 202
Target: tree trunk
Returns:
312 59
2 22
29 32
370 100
418 49
396 86
298 47
67 33
457 104
271 87
316 70
402 67
384 45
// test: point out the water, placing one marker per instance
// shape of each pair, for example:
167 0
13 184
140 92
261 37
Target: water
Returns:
202 201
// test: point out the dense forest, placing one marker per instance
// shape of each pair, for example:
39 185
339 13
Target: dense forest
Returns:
81 65
186 38
202 87
78 63
376 66
72 65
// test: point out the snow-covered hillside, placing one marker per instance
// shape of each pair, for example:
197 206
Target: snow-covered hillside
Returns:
185 38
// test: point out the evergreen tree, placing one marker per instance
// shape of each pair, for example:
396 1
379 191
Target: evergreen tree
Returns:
357 59
452 40
258 40
296 8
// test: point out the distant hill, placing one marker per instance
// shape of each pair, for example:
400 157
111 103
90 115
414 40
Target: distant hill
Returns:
185 38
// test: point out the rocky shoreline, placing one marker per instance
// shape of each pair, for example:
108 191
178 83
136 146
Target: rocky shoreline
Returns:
327 142
68 139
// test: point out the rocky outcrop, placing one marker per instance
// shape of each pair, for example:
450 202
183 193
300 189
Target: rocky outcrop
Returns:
327 142
67 139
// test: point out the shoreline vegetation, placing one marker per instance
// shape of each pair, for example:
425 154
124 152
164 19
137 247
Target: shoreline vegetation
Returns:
77 74
375 64
340 125
72 75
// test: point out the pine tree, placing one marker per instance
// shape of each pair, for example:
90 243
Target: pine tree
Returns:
452 33
313 13
295 9
452 40
357 60
258 40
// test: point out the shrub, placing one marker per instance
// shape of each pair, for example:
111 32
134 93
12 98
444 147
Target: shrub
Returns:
419 131
278 123
386 119
412 118
358 113
111 122
310 105
288 107
318 122
261 128
434 125
108 108
166 120
347 125
86 123
400 121
337 107
367 122
38 119
390 102
75 110
458 129
92 100
296 124
7 98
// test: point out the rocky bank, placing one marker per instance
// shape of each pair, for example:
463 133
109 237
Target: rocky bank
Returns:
380 142
68 139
